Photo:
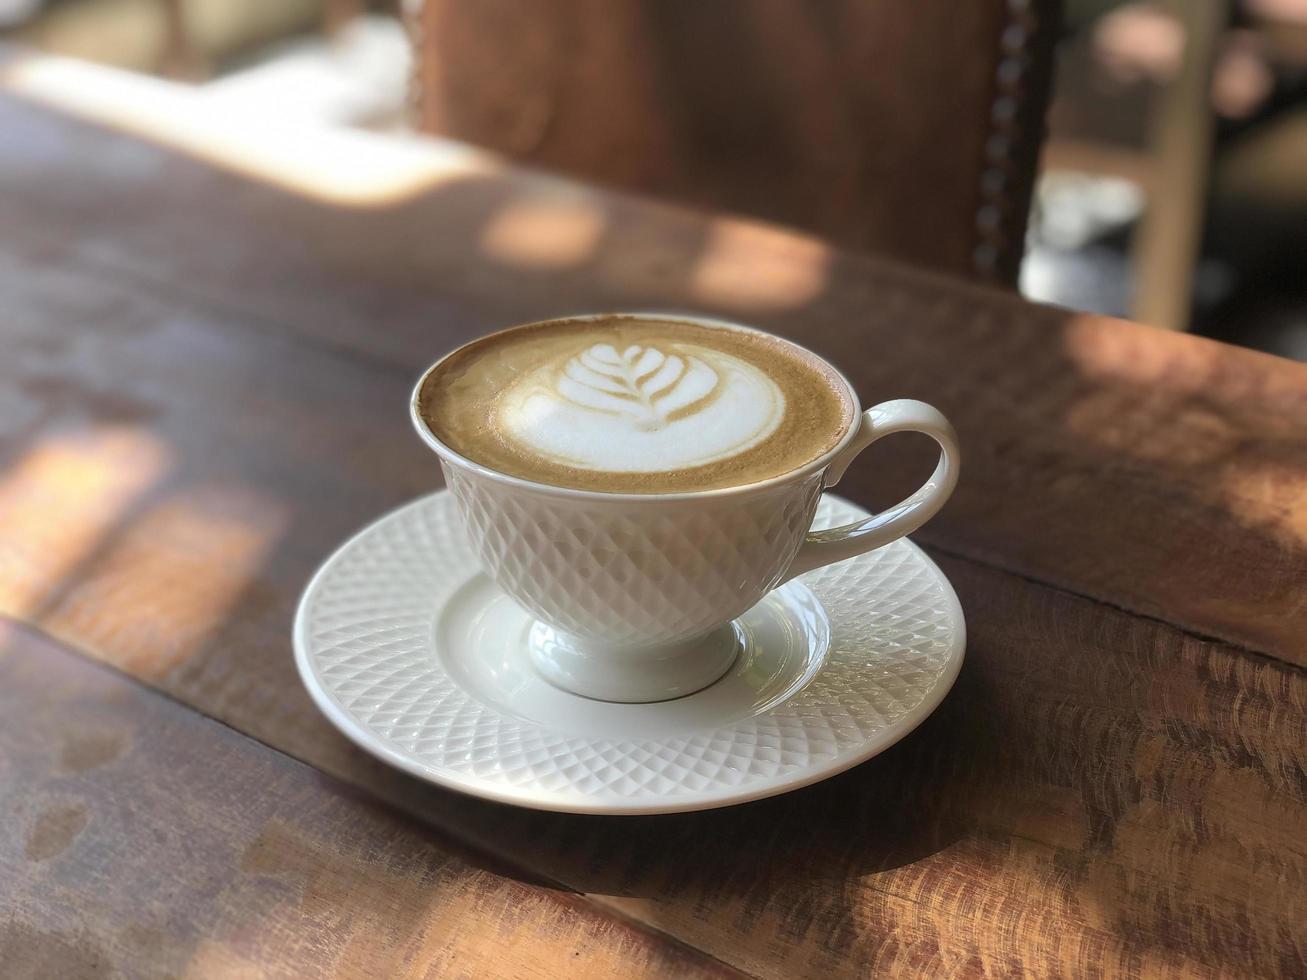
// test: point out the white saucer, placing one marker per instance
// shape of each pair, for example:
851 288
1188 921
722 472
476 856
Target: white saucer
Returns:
417 656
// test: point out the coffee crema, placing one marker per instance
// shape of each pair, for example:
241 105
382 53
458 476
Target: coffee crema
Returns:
635 405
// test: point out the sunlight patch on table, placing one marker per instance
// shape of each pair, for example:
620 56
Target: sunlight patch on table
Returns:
1270 497
171 580
1152 404
214 958
337 165
1106 349
61 499
544 231
759 269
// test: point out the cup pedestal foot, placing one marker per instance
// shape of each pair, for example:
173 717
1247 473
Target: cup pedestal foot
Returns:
632 675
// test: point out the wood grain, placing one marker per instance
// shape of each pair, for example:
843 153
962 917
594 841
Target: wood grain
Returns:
225 858
1122 796
185 436
1166 475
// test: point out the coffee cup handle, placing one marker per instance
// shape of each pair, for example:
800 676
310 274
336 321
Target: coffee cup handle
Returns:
901 415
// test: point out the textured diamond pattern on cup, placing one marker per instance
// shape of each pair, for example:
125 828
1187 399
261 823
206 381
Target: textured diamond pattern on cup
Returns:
625 578
368 630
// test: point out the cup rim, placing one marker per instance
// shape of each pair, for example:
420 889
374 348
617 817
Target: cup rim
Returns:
445 452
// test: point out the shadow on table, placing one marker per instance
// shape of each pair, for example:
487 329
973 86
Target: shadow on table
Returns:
807 863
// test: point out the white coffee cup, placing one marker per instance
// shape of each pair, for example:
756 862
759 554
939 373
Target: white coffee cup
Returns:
634 593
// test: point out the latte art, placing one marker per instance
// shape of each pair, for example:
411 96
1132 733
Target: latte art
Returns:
641 383
643 409
635 404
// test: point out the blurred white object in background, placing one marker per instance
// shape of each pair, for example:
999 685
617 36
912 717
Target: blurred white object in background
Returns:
1065 262
357 77
301 153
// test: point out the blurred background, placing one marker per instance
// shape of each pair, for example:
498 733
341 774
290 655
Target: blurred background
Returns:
1171 188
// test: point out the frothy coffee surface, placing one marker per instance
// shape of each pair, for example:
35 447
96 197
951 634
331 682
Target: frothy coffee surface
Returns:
635 405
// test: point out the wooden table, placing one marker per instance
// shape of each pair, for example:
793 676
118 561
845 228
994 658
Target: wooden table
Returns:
203 379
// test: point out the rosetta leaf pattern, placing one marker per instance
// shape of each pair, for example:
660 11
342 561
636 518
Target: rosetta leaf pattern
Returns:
642 383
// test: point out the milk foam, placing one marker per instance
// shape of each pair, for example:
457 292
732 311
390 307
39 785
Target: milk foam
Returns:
643 409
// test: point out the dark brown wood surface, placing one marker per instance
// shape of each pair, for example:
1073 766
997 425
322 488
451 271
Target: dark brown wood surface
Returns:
204 378
140 839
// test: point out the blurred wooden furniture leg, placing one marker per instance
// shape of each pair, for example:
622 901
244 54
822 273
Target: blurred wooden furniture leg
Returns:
1166 244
